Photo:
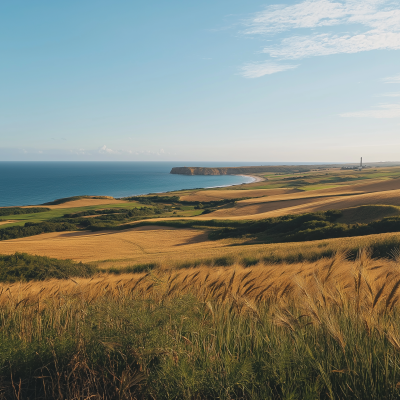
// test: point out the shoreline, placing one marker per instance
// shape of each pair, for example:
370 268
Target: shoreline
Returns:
256 179
253 177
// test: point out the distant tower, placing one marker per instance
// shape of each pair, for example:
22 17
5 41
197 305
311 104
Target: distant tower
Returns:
361 163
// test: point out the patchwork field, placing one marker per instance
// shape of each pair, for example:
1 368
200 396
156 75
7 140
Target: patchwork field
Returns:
170 247
354 190
291 293
287 205
220 194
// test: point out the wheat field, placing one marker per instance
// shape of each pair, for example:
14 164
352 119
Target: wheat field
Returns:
325 330
169 246
379 280
222 194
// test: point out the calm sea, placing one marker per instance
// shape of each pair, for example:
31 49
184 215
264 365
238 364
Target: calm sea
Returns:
26 183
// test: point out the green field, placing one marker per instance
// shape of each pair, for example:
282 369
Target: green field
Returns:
59 212
184 211
315 180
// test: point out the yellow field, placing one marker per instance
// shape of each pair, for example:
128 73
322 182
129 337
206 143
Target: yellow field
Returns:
287 205
329 281
221 194
167 246
137 243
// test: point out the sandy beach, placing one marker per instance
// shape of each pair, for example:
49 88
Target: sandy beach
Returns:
256 179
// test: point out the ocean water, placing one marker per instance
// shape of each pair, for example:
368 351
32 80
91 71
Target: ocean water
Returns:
27 183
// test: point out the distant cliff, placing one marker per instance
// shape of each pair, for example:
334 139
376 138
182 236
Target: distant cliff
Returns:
239 170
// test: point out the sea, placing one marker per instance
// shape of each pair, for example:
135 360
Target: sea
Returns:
29 183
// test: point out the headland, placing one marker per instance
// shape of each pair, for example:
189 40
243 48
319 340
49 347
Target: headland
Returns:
240 170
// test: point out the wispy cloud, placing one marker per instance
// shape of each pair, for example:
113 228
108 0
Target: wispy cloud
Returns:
375 14
360 25
390 95
105 150
297 47
392 79
382 111
256 70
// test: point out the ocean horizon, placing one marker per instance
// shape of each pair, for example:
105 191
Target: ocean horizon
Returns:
36 182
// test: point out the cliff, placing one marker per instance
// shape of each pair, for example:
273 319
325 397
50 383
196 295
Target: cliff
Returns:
239 170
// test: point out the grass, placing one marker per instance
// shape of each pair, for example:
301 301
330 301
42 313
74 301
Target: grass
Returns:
381 246
187 211
21 267
59 212
326 330
317 187
325 179
366 214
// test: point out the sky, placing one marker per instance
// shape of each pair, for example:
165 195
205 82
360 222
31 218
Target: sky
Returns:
216 80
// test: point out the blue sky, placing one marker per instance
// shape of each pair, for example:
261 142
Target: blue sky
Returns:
237 80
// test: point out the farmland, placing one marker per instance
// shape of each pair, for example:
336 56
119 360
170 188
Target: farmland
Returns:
281 289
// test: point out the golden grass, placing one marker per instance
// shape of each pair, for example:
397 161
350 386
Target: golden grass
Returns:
328 281
367 213
333 320
222 194
273 208
137 243
169 246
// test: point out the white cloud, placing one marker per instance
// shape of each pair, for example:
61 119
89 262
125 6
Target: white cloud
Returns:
256 70
360 25
297 47
392 79
377 14
105 150
382 111
390 95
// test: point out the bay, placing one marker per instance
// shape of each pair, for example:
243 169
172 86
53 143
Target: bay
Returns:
28 183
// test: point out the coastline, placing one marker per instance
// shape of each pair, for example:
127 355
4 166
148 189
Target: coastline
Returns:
256 179
38 195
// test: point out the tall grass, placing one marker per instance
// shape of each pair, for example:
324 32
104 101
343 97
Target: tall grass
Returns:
328 329
231 253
